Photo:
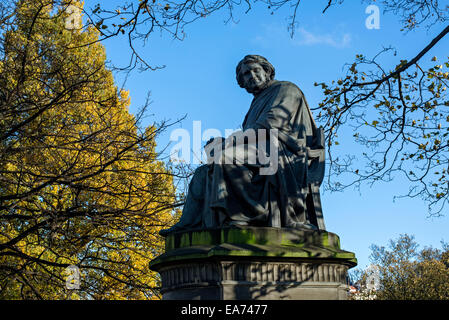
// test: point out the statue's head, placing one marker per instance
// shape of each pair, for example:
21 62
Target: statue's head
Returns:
254 73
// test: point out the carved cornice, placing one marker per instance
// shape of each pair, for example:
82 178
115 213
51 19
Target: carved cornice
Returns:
251 273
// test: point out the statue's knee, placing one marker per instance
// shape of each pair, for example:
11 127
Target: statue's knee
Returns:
201 170
198 181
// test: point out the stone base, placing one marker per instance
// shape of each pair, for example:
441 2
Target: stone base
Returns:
244 263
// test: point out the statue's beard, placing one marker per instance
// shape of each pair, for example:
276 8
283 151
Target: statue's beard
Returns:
255 88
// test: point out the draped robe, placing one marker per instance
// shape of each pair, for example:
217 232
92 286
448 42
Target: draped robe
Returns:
223 194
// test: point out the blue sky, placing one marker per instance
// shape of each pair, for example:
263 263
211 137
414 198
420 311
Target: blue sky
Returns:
199 82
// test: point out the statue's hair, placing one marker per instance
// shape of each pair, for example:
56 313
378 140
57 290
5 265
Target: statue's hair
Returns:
254 58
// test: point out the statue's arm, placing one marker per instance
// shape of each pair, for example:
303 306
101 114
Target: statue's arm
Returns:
281 109
213 141
282 112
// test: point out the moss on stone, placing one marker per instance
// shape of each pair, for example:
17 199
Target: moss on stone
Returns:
265 242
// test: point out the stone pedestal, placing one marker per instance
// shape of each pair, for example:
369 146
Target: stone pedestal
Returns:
249 263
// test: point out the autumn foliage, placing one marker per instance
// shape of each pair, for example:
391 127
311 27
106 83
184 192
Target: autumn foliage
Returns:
403 272
397 113
80 183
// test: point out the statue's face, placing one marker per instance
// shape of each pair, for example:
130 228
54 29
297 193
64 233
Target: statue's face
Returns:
254 77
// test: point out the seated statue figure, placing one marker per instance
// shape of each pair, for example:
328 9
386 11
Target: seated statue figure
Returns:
226 193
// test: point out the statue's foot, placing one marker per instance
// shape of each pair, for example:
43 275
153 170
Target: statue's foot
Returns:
238 223
165 232
309 226
298 225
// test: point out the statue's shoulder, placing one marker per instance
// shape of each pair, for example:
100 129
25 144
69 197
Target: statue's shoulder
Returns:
287 86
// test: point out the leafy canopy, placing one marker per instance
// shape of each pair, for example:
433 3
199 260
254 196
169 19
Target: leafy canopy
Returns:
80 183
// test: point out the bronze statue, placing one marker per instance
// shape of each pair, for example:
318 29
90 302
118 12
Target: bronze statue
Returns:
225 194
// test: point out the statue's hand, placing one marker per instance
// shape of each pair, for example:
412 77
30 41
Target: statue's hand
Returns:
209 141
236 138
214 140
213 148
